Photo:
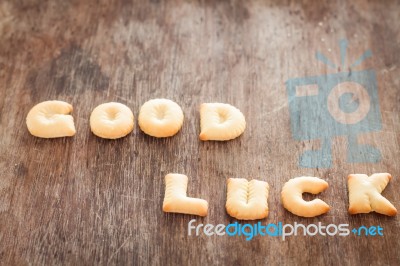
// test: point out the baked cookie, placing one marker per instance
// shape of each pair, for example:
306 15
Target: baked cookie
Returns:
111 120
51 119
247 200
293 201
365 194
160 118
175 199
220 121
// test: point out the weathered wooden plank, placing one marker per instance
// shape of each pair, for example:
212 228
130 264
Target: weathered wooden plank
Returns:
84 200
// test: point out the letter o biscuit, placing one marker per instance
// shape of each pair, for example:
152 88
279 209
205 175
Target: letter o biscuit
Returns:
160 118
111 120
51 119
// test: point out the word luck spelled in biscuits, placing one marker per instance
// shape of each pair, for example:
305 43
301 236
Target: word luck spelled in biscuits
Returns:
248 200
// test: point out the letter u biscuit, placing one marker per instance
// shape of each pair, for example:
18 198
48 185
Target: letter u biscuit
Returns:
247 200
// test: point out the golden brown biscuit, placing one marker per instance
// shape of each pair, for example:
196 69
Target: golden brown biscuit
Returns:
175 199
160 118
220 121
111 120
51 119
365 194
293 201
247 200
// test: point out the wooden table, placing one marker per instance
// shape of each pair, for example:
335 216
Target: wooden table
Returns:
85 200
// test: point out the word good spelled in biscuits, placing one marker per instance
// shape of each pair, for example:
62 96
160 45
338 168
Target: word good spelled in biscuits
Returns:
365 194
220 121
160 118
247 200
111 120
51 119
175 199
292 196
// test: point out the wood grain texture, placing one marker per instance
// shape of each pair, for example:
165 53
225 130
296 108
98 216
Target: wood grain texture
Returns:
89 201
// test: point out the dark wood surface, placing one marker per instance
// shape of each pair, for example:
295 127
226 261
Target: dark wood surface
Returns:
89 201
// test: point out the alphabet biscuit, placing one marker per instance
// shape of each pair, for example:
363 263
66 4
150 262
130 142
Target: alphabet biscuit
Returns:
365 194
175 199
220 121
51 119
247 200
293 201
111 120
160 118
